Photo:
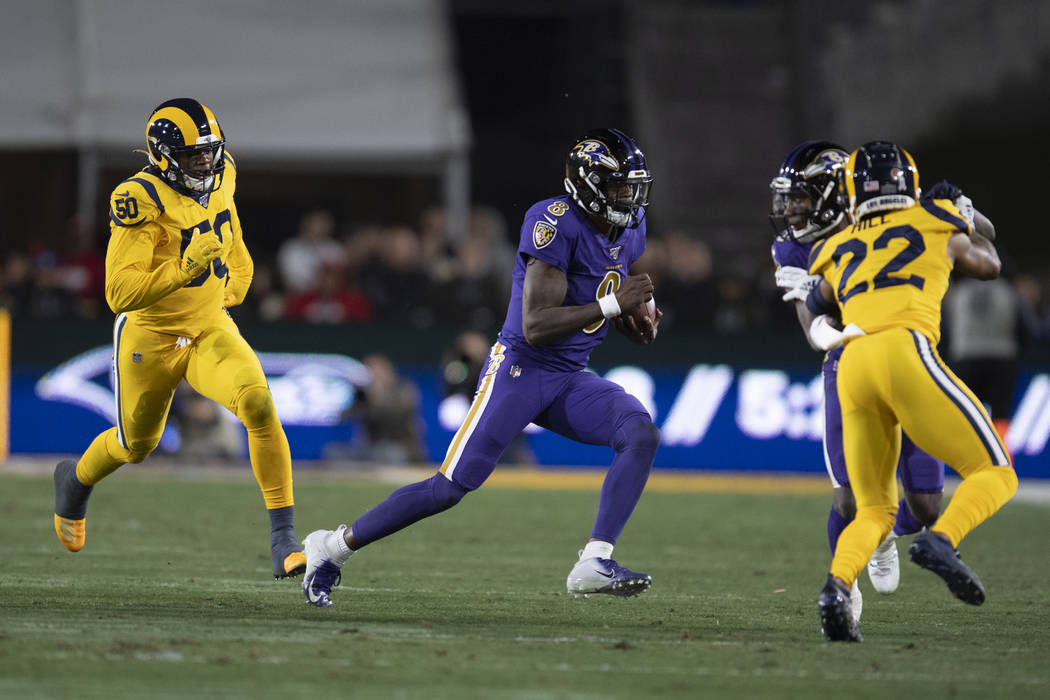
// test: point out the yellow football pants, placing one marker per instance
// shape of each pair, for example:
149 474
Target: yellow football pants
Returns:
895 379
220 365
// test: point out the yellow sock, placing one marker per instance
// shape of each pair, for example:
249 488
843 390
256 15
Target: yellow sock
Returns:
859 540
271 461
977 498
103 457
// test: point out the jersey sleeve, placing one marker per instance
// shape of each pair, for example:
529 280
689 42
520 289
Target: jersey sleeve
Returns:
131 282
948 215
239 262
547 236
133 203
229 175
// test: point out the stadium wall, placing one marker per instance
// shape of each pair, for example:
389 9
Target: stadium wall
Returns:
741 403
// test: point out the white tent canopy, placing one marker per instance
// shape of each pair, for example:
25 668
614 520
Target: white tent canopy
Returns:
362 79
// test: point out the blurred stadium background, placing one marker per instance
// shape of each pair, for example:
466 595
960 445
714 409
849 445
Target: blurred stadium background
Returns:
387 150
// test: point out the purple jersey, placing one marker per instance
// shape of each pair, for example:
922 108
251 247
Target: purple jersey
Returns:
557 232
789 253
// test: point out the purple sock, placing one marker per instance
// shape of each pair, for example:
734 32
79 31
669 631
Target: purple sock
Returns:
906 523
405 506
836 524
635 445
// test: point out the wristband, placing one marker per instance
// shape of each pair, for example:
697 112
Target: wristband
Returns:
610 307
818 305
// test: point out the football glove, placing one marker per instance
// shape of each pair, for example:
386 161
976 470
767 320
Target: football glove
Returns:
203 248
965 205
943 190
788 277
803 288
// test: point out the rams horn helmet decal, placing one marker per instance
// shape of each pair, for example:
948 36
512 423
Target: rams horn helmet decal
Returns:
184 127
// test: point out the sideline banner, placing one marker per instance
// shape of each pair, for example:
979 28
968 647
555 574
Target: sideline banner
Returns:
712 417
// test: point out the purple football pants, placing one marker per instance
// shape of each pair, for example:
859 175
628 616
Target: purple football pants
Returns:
512 393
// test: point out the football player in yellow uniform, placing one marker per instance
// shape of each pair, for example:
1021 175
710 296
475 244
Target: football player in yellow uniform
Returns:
887 273
176 260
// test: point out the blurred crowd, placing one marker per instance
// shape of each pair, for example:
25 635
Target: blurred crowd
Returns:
331 273
335 272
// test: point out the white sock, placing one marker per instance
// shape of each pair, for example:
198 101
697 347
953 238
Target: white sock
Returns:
596 548
336 547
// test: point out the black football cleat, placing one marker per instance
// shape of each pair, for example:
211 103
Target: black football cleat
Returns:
935 553
836 613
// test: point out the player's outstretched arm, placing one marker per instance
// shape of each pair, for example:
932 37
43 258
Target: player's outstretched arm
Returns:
543 318
974 256
983 225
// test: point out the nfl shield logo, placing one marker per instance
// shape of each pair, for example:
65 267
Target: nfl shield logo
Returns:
614 253
543 234
515 371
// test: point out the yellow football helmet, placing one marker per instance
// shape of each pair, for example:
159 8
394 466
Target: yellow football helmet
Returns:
178 130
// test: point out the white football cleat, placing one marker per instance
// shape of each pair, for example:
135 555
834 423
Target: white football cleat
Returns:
884 569
322 574
597 575
856 602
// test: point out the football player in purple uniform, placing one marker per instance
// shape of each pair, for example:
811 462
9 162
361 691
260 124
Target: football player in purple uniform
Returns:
571 281
806 209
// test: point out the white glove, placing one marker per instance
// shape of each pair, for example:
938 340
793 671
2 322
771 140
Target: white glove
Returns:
965 206
790 277
803 288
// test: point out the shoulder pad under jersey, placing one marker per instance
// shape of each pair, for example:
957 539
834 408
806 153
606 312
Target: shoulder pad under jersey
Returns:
136 201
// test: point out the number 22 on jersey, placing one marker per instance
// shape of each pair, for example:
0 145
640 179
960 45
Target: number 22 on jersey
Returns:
885 277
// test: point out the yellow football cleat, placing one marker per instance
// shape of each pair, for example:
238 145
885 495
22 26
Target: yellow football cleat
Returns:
71 499
72 536
294 564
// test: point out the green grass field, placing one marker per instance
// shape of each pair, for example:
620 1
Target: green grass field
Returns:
172 598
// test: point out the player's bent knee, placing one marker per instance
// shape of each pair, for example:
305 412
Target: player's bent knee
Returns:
844 503
138 450
883 516
445 492
637 433
255 408
1009 477
925 507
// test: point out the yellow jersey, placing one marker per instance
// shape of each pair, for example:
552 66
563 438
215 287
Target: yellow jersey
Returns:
891 269
150 226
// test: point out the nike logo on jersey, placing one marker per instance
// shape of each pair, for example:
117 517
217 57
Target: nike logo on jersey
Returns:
552 222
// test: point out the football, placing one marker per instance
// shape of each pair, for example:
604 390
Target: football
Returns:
644 310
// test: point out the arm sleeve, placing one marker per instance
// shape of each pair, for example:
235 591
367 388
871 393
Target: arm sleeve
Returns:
240 265
130 283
